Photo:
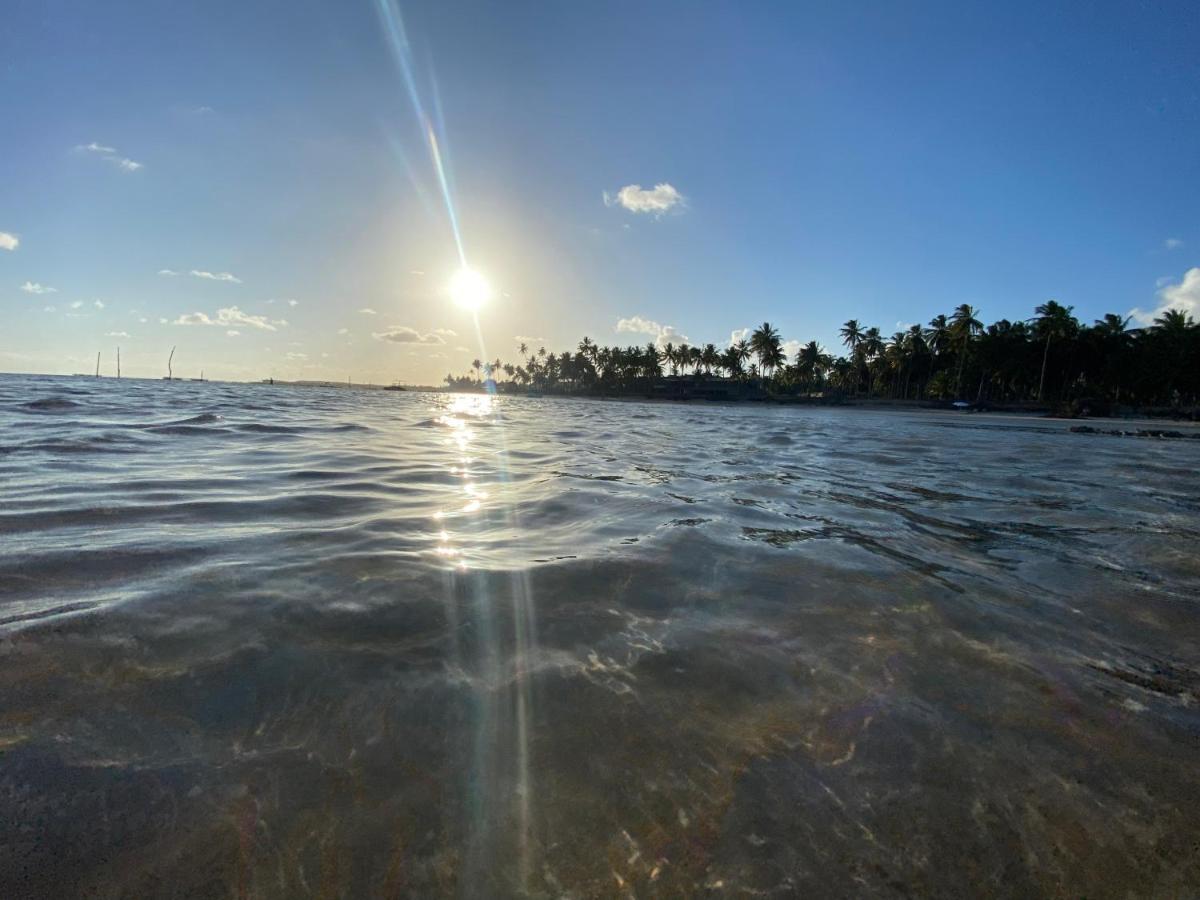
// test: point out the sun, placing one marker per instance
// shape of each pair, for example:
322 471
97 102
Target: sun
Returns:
469 289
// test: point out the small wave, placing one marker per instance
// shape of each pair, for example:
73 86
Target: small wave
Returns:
182 429
51 404
256 428
202 419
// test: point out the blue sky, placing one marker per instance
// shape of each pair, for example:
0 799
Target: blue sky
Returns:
876 160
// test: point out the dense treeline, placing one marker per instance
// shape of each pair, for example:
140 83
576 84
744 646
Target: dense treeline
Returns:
1050 359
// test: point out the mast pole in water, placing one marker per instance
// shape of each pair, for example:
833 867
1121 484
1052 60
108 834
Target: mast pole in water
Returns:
97 363
118 362
169 358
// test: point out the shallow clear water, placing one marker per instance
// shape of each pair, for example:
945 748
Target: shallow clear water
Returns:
275 642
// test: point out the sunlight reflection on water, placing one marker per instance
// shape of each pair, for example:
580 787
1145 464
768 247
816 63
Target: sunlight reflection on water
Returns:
432 645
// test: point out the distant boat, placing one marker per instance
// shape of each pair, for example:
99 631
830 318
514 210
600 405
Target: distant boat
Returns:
395 386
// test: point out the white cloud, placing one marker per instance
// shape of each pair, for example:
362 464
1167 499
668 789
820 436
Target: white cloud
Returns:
660 199
526 339
48 308
99 304
76 304
293 303
367 311
116 334
790 349
232 332
662 334
1172 243
216 276
297 356
124 163
740 334
230 316
445 332
143 320
1184 296
9 241
170 272
402 334
32 287
415 272
343 331
463 349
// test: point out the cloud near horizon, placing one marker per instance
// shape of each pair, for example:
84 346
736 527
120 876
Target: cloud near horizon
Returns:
9 241
367 311
33 287
230 316
1184 296
660 199
662 334
402 334
214 276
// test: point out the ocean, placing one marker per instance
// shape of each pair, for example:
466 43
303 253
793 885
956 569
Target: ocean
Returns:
267 641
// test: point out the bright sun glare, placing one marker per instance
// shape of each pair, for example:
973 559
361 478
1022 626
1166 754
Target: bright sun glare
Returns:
469 289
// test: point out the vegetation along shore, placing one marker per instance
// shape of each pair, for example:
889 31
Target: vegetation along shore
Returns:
1051 361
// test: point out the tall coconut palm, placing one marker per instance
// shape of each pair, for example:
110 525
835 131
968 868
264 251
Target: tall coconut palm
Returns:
963 326
937 335
668 355
709 358
768 347
851 335
1053 321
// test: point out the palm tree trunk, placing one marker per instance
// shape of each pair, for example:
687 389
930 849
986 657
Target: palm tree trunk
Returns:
1042 380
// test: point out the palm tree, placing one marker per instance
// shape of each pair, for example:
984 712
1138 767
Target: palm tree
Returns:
964 326
937 336
668 354
1053 321
709 358
851 335
768 347
523 350
1172 323
476 365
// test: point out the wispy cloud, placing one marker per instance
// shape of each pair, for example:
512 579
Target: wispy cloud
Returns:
662 334
230 316
297 356
293 303
48 308
445 332
367 311
32 287
343 331
75 304
232 332
124 163
216 276
169 272
1172 244
116 334
658 200
1183 296
402 334
99 304
526 339
9 241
